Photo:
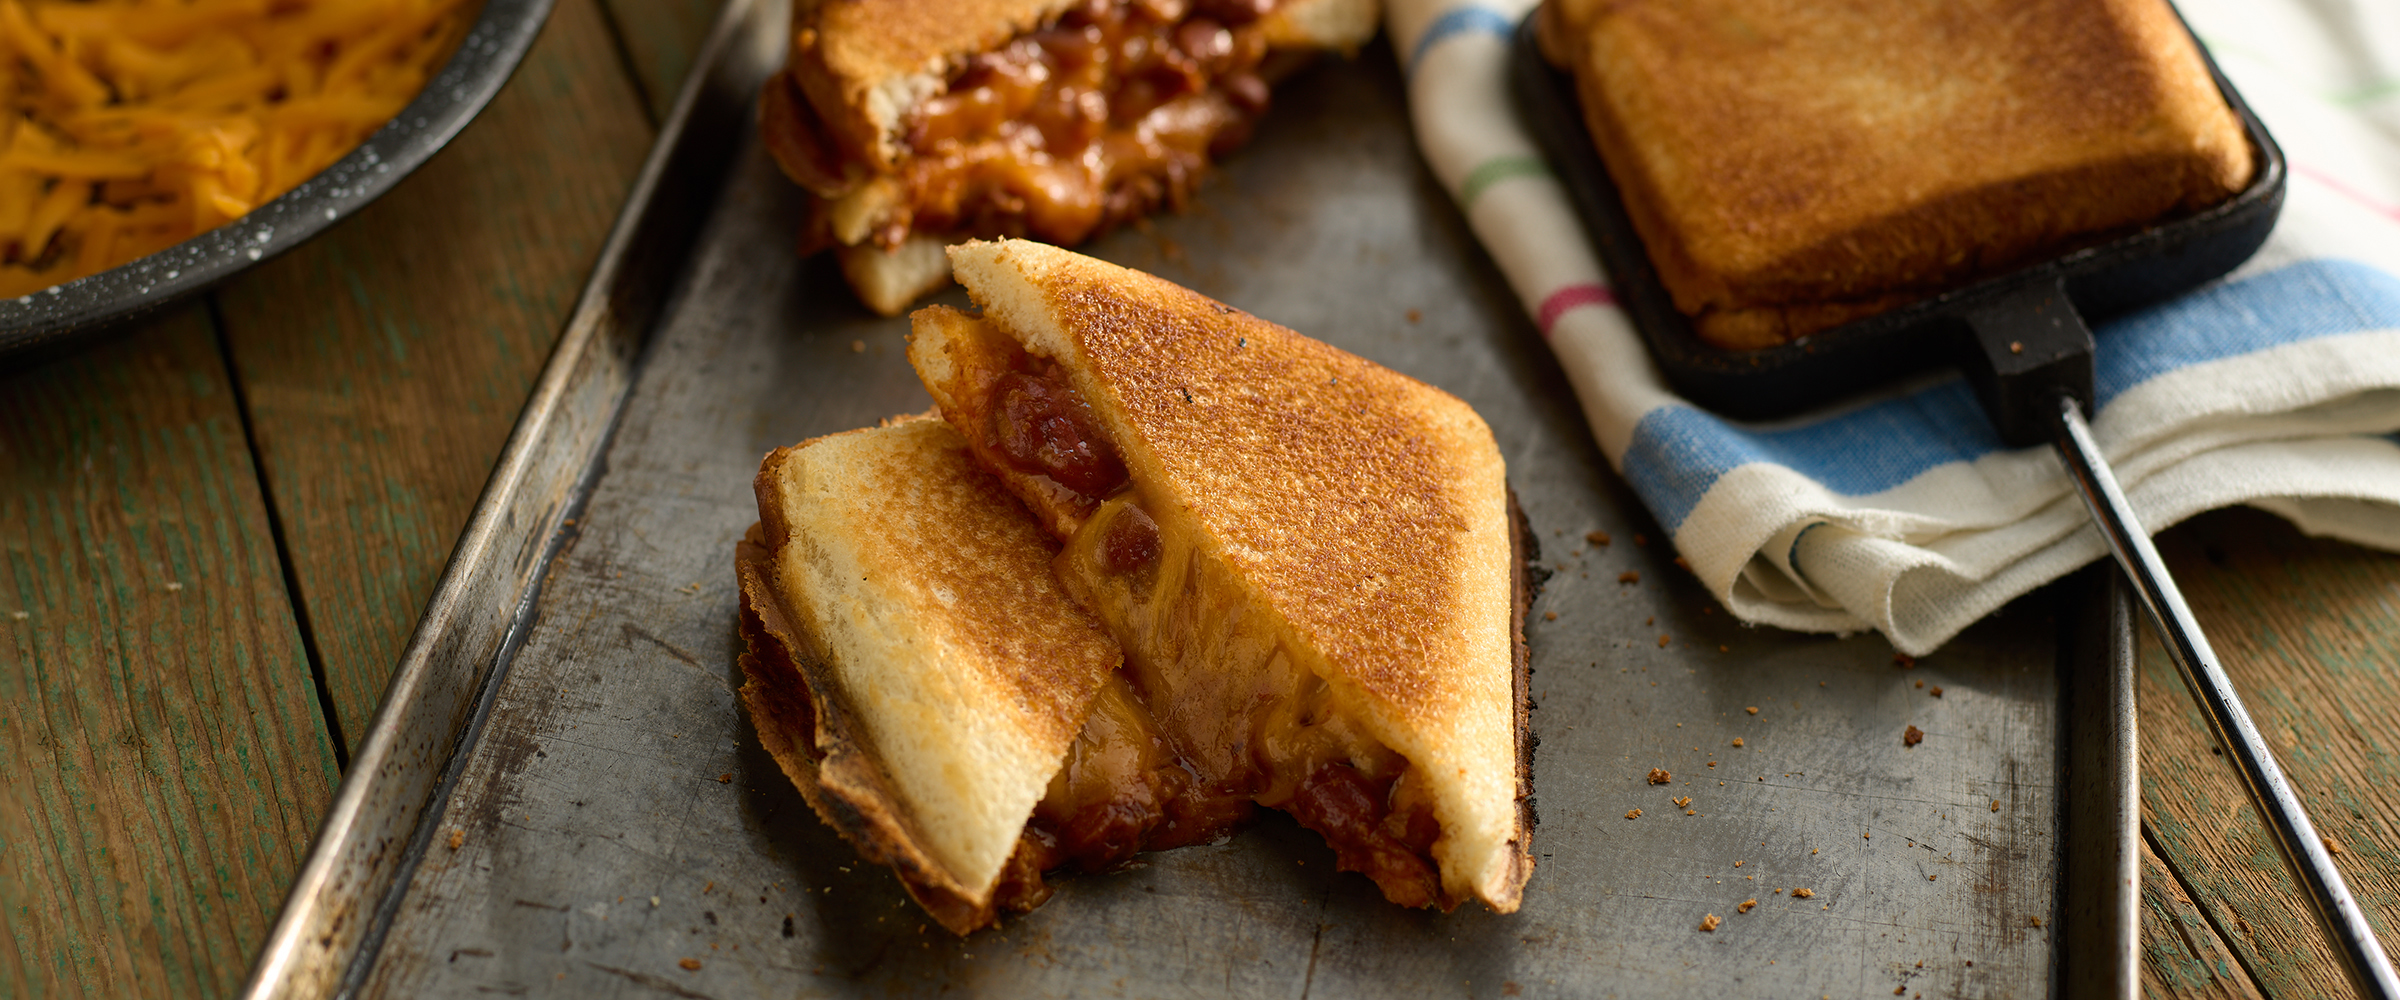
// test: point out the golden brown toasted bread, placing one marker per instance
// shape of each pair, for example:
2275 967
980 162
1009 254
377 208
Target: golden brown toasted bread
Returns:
1794 164
912 663
1307 557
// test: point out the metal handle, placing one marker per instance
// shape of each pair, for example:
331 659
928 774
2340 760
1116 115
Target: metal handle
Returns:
2339 913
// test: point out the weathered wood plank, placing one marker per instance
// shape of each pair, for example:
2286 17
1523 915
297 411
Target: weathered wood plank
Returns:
385 362
2182 956
2310 631
661 38
163 759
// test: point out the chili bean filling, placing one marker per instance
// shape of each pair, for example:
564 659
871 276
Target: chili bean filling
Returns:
1044 427
1064 132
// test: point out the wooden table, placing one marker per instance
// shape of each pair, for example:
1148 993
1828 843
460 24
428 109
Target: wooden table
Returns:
217 533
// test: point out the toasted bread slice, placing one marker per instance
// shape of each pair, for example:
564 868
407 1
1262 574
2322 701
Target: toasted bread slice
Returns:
1792 165
912 663
1307 557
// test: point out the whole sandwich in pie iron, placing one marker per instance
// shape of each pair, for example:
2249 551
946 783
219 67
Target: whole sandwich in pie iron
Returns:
1310 560
914 123
1319 607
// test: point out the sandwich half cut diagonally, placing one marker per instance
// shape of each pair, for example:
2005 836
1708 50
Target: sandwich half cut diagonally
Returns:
915 123
1313 563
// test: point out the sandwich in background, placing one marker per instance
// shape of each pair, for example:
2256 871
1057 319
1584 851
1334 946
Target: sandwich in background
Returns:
1313 563
915 123
1793 166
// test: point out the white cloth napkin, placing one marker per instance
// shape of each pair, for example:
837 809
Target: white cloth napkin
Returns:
2276 387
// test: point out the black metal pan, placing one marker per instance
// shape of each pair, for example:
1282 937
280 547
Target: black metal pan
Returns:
2022 340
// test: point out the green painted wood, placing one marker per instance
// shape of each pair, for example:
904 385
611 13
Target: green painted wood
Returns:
386 361
2182 956
661 38
163 759
2310 631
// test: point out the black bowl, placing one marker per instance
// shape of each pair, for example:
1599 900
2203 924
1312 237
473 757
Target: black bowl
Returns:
64 315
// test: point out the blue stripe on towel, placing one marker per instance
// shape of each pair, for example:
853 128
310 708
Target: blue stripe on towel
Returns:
1678 452
1459 21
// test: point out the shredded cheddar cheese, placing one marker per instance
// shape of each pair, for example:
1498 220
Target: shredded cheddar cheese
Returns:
132 125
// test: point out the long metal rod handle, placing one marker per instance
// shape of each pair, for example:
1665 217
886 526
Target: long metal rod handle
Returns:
2370 970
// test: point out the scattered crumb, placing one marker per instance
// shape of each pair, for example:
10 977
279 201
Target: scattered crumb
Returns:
1752 710
1664 639
1737 741
690 964
458 838
1683 564
1633 814
725 778
1737 864
1629 576
1683 802
1724 649
1640 539
1712 763
2034 921
1659 776
1709 922
1901 990
2331 847
1903 660
1995 805
174 585
1920 683
654 902
1930 878
1652 620
856 347
1549 616
1415 315
1746 906
1936 692
1912 737
1804 893
1812 850
1596 537
712 884
1691 812
1779 891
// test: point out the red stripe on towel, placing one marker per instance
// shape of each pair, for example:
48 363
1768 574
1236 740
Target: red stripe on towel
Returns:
1569 298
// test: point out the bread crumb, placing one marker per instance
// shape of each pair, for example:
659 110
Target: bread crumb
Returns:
1752 710
1900 990
1930 878
1737 741
1779 890
1920 684
1596 537
1629 576
1416 314
1903 660
2034 921
1664 639
458 837
2331 847
1737 864
856 347
1659 776
1936 692
690 964
1682 802
1709 922
1995 805
712 884
1912 737
1549 616
725 778
1724 649
1683 564
1746 906
1712 763
1804 894
1633 814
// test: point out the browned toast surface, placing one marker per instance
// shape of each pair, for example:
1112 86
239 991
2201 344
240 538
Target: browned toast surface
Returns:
1794 164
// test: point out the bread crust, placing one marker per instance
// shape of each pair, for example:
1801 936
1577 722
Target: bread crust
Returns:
1367 510
1011 662
1792 164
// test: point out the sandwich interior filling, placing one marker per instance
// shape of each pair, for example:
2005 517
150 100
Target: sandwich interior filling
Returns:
1212 714
1103 115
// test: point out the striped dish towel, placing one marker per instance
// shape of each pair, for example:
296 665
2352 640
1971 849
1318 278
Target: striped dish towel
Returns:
2277 387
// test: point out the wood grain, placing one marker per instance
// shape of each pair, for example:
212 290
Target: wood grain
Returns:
2182 956
163 760
386 362
661 38
2310 631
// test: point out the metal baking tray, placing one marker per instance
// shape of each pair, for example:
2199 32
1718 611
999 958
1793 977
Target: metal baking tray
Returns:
560 795
2103 280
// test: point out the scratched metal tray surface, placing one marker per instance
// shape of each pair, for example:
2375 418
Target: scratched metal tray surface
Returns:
562 797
